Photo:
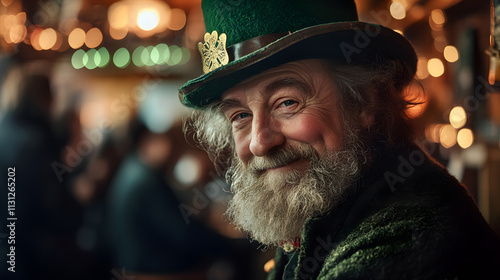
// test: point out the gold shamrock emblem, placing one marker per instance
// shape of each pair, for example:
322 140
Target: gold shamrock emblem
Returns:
213 51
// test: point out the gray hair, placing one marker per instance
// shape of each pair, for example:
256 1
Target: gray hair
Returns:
379 88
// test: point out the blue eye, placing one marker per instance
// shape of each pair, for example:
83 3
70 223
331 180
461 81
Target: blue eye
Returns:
288 103
243 115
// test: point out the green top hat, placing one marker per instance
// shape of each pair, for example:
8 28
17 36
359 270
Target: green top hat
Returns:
260 34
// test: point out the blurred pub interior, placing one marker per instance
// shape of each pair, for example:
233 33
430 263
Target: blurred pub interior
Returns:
85 82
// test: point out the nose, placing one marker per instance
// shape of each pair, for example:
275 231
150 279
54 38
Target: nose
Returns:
265 135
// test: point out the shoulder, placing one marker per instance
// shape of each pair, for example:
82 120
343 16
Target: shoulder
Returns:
424 225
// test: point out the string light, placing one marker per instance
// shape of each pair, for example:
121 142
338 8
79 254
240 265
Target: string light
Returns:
76 38
458 117
451 54
435 67
465 138
447 136
148 19
93 38
397 10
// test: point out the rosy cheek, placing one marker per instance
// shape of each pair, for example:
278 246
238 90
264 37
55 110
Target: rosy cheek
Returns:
320 134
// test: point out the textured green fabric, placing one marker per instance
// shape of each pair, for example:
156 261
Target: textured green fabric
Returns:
421 226
318 29
243 20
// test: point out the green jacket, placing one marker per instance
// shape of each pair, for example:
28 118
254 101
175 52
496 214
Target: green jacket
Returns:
408 219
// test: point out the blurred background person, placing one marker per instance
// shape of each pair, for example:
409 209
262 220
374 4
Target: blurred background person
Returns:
47 214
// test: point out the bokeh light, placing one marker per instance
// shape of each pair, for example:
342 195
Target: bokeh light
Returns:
148 19
163 53
93 38
17 33
146 56
437 16
437 19
59 42
465 138
76 38
175 55
118 14
447 136
47 38
121 58
435 67
77 59
397 10
451 54
118 34
432 132
34 38
104 57
177 19
137 56
90 61
154 54
458 117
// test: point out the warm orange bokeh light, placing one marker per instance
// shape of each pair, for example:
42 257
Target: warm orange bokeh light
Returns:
34 38
435 67
447 136
47 38
76 38
177 19
465 138
118 15
451 54
118 34
93 38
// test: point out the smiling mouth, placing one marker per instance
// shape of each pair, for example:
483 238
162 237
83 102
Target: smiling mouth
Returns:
297 164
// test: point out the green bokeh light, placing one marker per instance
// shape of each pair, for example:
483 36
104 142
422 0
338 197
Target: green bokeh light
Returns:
137 56
186 56
175 55
163 53
90 59
104 55
154 54
146 56
121 58
77 59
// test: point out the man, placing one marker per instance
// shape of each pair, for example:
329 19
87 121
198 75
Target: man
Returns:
305 111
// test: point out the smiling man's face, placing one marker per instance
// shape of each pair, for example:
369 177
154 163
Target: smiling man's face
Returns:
296 155
283 107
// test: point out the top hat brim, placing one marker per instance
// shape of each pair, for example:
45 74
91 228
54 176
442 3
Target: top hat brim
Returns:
350 43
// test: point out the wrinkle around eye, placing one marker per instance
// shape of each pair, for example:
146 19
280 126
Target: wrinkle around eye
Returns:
239 119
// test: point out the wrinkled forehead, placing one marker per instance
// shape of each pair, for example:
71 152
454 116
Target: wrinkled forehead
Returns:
301 73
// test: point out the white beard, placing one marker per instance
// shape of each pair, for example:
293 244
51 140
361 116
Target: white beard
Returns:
273 206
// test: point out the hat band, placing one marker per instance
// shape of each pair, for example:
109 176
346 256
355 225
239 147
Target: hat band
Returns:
241 49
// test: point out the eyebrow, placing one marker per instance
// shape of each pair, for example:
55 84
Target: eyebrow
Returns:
227 104
272 87
287 82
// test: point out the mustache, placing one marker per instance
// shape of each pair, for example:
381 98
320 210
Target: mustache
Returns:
281 157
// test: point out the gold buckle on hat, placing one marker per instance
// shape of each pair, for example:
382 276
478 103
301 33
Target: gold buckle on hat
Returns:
213 51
